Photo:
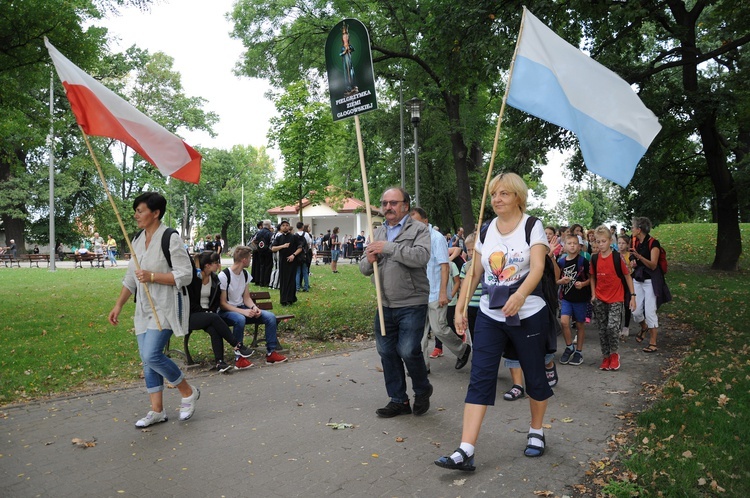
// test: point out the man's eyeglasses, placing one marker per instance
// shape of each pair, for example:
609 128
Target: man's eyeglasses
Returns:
390 203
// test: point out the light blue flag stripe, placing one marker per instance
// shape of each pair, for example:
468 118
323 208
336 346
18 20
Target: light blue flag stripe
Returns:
555 81
606 152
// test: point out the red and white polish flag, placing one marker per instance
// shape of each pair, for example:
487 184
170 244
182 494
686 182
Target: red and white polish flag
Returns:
101 112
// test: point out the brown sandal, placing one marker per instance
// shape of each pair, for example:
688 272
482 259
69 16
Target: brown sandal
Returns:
651 348
641 335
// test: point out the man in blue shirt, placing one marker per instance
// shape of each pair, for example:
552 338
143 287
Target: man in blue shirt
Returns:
438 274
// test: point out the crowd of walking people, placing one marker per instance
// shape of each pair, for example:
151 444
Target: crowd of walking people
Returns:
484 296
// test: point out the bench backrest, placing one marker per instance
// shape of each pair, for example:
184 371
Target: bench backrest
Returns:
262 300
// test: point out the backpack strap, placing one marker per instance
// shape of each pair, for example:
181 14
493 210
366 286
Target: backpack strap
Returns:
529 227
165 244
227 273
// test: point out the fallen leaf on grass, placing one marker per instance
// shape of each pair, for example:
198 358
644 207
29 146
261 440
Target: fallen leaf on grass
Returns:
688 454
82 443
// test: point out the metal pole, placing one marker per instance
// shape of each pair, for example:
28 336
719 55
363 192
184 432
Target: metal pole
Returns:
51 144
242 223
401 121
416 167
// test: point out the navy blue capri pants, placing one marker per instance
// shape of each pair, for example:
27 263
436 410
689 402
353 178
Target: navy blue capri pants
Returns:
490 340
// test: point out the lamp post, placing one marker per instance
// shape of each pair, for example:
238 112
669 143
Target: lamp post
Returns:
415 107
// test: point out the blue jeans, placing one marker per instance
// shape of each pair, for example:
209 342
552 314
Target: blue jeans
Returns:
237 321
111 254
303 274
156 365
401 346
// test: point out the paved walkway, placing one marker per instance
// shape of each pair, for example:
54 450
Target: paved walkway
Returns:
263 432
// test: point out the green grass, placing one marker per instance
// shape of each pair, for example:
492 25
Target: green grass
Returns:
692 442
56 338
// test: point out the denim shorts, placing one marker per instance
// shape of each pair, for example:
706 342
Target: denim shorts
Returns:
575 310
335 254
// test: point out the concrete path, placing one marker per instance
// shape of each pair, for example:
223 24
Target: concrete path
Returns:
263 432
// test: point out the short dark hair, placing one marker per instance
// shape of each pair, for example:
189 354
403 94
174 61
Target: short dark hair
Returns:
421 212
152 200
300 225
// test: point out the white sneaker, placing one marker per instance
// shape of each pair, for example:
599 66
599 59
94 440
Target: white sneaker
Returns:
151 419
187 407
625 333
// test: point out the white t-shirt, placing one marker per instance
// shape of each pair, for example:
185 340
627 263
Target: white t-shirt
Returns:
236 287
506 259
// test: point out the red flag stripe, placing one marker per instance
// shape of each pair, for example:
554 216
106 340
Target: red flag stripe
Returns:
101 112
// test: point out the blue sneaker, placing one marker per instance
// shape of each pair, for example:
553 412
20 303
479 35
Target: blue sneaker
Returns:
576 359
565 358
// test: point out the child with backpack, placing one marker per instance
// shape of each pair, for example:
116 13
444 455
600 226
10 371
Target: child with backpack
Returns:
609 280
575 295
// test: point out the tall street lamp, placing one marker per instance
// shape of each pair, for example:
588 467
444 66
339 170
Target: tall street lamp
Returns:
415 107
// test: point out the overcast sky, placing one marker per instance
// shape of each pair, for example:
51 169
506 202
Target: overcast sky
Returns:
195 33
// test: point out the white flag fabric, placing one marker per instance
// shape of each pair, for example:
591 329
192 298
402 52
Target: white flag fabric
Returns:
101 112
555 81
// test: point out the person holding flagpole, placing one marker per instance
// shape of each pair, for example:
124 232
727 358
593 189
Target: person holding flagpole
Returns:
169 313
511 311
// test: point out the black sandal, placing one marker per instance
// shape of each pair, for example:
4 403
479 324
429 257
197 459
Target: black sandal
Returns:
466 464
532 450
641 335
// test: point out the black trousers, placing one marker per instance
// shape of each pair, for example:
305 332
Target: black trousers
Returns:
216 328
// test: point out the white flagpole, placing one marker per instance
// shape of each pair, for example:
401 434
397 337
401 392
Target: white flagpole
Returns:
51 143
242 217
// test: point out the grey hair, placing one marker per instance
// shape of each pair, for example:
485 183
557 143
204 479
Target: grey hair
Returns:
643 223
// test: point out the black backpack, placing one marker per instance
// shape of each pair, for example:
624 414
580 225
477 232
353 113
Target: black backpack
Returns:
618 269
547 287
165 250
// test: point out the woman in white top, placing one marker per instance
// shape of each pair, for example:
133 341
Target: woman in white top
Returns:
510 311
165 285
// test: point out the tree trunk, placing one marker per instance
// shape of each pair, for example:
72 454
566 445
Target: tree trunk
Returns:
728 237
460 163
14 227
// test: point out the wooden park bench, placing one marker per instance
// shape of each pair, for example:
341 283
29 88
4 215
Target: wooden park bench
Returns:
91 258
36 258
9 260
322 256
262 300
355 256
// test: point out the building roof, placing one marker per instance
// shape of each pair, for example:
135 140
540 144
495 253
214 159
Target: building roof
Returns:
349 205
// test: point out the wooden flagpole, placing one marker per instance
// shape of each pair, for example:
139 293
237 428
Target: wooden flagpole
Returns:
492 164
119 220
378 291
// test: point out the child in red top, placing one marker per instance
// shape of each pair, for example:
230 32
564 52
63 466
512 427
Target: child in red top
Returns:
608 296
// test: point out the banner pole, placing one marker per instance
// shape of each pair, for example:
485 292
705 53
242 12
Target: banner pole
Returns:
491 167
119 220
378 291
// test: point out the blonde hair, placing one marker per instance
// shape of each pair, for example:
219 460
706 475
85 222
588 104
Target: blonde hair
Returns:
511 182
603 230
241 252
470 239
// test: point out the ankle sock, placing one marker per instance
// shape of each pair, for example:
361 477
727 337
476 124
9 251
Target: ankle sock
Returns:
536 441
468 448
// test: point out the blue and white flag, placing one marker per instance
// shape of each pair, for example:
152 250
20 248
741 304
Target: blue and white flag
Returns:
555 81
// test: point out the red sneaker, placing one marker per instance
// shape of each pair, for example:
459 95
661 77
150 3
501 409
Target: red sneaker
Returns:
275 358
605 363
614 361
436 353
242 363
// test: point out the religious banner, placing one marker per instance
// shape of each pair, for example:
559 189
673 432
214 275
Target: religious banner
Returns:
351 80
